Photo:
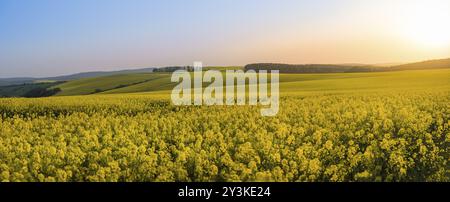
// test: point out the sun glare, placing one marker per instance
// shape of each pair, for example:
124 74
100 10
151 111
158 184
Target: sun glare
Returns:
427 24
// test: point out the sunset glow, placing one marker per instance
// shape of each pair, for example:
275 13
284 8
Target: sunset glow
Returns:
48 37
426 24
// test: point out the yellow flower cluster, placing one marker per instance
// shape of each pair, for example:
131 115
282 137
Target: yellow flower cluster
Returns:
371 137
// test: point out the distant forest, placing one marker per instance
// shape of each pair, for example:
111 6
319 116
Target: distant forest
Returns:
174 68
332 68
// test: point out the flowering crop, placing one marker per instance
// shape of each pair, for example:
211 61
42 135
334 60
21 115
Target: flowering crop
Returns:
389 136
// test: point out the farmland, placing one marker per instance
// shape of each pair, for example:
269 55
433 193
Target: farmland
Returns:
378 126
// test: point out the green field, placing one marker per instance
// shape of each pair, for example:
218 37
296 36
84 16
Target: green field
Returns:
366 82
384 126
90 85
290 83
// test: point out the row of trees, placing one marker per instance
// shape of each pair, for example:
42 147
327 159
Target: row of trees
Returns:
310 68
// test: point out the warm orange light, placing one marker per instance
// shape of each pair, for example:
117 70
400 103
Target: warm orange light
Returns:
427 24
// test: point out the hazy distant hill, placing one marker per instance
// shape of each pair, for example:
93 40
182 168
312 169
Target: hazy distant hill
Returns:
346 68
430 64
16 81
98 73
30 90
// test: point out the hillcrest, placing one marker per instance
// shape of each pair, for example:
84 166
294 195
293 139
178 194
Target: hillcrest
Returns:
192 92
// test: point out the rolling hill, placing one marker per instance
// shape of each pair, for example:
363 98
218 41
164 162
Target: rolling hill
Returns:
23 80
15 81
137 82
82 75
430 64
123 83
100 84
289 83
348 68
27 89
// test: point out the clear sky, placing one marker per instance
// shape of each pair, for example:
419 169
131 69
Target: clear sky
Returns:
55 37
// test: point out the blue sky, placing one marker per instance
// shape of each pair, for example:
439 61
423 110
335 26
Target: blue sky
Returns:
55 37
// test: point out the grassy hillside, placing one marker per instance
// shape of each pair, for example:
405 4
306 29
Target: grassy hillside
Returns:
430 64
123 83
157 83
290 83
100 84
24 90
70 77
362 82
